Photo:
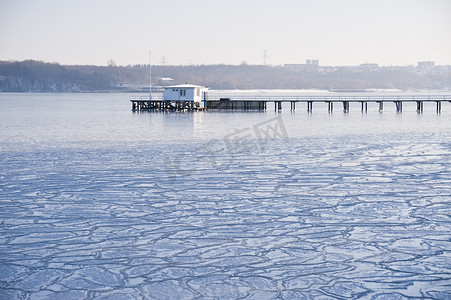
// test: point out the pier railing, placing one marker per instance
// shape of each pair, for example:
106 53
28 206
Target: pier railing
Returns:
157 97
314 98
331 98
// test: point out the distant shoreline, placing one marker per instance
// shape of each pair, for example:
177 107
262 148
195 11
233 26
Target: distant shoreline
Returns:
35 76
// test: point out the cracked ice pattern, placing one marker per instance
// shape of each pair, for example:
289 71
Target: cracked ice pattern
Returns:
312 218
88 211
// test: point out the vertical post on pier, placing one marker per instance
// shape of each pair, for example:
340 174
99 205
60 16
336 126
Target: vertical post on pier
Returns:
419 106
279 105
309 106
398 106
364 106
439 106
330 106
346 106
264 105
381 106
150 75
293 105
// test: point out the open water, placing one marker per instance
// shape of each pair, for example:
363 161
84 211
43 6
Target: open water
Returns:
98 202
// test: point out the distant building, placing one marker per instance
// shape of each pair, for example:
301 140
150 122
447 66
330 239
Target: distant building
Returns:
164 81
311 65
369 66
426 65
295 67
186 93
314 62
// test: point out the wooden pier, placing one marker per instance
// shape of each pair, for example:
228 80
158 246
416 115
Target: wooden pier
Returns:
259 102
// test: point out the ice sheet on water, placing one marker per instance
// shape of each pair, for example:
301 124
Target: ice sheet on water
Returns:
392 296
10 272
262 295
319 217
41 237
123 294
40 279
141 270
51 295
346 289
304 283
232 288
11 294
439 294
169 289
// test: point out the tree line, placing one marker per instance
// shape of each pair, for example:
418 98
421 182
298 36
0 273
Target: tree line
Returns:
32 75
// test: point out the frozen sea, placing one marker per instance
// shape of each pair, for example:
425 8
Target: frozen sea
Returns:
98 202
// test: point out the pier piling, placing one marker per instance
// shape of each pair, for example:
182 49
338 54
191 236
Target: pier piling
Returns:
364 106
309 106
439 106
330 106
419 106
346 106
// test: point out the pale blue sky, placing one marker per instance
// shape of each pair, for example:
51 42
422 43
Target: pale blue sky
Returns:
337 32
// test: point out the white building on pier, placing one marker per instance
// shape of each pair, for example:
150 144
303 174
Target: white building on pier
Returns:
186 93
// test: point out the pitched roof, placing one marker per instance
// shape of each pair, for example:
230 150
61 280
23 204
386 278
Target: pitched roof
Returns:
180 86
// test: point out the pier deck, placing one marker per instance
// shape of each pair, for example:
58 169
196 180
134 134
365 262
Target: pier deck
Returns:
259 102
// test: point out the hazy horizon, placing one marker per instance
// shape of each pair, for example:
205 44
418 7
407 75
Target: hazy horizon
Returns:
337 33
157 64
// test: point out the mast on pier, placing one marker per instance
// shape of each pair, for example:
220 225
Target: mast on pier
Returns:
150 75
